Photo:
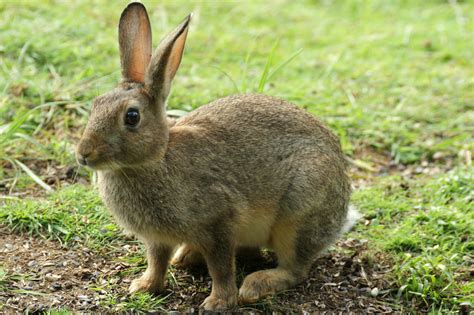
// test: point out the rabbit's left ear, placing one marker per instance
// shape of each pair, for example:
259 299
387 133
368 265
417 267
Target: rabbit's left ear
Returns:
165 61
134 42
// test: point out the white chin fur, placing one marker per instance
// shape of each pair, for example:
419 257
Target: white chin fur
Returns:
352 217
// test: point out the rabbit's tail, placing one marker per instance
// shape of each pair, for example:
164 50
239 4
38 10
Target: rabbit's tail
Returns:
352 217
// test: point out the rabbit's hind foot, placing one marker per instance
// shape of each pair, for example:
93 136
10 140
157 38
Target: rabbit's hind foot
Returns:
265 282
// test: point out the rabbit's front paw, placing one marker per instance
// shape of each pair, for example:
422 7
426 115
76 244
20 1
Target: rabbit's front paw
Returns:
144 284
212 303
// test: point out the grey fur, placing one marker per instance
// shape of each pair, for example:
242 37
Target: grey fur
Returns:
245 170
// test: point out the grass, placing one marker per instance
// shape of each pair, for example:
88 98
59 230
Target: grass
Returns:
426 224
71 214
394 80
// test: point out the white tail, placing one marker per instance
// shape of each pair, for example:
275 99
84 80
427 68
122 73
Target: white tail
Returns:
352 217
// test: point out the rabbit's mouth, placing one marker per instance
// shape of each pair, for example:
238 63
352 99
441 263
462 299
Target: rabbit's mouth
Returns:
95 161
100 165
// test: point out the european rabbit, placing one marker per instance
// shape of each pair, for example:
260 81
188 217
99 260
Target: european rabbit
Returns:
245 170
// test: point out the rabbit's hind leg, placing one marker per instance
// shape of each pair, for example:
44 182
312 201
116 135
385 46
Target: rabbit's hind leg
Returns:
295 248
271 281
187 256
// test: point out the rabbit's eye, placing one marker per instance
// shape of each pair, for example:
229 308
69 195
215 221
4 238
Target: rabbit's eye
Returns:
132 117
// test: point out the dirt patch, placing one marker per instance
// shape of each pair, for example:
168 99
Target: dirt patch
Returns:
42 275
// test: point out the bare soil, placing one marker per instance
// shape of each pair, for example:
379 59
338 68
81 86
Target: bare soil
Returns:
43 275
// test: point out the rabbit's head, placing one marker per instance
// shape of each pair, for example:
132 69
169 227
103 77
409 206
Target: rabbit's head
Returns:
127 126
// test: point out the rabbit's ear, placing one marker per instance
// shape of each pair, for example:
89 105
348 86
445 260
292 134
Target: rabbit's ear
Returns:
134 42
166 60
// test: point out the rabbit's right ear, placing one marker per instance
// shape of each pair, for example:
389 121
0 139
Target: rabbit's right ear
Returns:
134 42
165 61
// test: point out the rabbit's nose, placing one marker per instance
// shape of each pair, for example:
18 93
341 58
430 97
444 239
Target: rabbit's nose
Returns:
82 158
85 152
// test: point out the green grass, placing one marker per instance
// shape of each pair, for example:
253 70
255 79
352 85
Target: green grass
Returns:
426 225
394 79
138 302
71 214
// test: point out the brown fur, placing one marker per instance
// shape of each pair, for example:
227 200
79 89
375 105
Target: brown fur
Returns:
245 170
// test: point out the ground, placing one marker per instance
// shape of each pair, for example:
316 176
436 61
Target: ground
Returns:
393 79
44 276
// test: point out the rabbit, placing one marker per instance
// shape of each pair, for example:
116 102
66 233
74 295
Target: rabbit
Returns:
243 171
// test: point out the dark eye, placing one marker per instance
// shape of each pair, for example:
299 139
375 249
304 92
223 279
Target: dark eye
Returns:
132 117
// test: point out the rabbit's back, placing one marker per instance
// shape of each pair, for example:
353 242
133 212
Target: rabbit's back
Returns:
254 112
269 154
260 126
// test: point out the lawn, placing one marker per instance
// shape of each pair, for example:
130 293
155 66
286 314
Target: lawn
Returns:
393 79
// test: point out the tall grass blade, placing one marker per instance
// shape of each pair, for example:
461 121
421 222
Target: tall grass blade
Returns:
229 77
284 63
8 130
266 70
33 176
244 83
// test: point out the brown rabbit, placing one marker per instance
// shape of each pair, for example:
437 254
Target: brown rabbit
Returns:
245 170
